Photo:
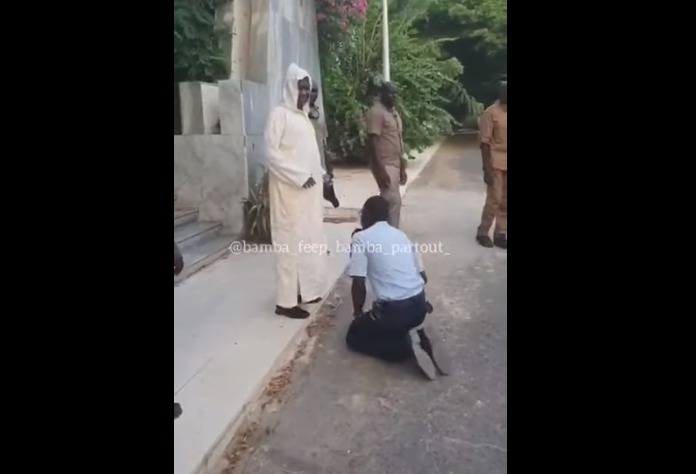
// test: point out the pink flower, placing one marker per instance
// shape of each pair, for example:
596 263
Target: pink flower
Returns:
344 25
321 17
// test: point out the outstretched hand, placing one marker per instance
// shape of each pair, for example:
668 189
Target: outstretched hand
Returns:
309 183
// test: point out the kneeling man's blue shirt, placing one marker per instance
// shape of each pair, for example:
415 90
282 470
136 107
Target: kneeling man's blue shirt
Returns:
389 260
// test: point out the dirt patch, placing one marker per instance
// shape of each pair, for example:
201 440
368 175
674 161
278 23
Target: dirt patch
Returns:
240 449
340 220
277 392
339 216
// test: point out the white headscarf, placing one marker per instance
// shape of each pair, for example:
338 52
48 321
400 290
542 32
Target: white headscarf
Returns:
290 90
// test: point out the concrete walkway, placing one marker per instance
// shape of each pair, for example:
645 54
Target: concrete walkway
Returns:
228 341
345 413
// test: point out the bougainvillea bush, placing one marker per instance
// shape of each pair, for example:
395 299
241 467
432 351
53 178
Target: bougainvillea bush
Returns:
334 17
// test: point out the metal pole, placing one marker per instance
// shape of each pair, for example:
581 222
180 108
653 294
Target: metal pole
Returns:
385 38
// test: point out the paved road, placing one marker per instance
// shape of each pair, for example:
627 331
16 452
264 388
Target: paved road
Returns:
351 414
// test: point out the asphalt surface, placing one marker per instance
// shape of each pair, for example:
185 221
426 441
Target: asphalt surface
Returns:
348 413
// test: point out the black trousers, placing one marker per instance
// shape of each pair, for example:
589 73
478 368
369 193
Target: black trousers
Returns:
382 332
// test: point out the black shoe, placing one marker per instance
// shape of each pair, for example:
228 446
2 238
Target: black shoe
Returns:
330 195
177 410
292 313
484 241
435 352
500 241
423 359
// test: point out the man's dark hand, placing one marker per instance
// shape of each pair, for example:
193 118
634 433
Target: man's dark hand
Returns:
403 177
309 183
383 180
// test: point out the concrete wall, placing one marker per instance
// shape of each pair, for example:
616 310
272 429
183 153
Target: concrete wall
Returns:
210 171
199 108
288 30
210 174
210 97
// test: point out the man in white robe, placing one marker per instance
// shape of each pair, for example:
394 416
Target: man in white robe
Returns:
296 204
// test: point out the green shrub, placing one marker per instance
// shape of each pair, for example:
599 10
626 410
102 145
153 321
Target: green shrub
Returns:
257 213
426 82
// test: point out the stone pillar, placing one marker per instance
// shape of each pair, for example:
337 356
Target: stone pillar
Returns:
231 107
235 18
199 108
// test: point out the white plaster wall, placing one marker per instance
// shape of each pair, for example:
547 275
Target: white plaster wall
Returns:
290 27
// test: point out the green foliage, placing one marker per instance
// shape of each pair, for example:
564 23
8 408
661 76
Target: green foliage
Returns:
197 47
257 213
426 82
475 32
484 21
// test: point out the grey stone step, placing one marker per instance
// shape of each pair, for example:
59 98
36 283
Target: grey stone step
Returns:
184 216
194 232
206 252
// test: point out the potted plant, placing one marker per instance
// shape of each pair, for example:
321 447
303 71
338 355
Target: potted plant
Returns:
257 213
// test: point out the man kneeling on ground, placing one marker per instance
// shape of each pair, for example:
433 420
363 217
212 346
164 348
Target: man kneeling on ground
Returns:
385 256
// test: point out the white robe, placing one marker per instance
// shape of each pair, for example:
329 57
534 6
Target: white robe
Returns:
297 214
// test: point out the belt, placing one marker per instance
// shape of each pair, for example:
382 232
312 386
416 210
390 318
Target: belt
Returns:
399 303
378 307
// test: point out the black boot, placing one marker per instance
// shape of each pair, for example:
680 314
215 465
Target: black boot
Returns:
438 358
423 359
330 195
500 241
484 241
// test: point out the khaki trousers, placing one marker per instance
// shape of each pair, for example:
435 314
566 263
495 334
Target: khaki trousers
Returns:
496 206
392 195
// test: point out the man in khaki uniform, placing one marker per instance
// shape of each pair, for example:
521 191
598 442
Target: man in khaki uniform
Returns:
386 150
493 137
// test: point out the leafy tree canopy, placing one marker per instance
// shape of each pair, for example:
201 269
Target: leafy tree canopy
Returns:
475 32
